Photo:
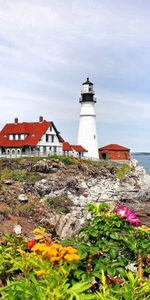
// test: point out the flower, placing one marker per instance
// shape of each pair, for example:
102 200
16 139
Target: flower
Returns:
55 252
114 279
71 257
40 273
133 219
143 228
31 243
122 211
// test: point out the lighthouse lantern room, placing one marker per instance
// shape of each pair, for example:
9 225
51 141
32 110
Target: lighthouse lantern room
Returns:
87 136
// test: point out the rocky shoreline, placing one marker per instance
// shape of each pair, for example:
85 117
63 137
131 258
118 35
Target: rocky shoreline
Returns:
54 193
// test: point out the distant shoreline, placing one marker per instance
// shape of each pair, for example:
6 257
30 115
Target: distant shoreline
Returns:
141 153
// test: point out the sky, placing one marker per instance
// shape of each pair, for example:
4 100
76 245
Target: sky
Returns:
48 48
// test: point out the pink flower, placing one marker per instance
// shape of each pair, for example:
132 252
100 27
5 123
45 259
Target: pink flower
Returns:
133 219
122 211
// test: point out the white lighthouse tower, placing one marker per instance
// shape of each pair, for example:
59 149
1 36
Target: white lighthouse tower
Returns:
87 136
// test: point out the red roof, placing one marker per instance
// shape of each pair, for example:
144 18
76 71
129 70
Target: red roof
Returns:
114 147
79 148
34 132
66 146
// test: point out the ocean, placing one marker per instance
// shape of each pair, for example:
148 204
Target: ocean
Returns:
144 160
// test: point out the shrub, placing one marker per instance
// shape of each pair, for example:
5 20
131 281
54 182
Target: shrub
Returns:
122 171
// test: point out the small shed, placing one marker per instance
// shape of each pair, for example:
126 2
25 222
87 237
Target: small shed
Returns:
114 152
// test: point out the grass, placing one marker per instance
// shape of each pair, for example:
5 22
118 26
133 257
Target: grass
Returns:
68 160
19 175
60 203
122 171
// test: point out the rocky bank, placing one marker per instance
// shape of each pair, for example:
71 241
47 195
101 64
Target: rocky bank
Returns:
53 193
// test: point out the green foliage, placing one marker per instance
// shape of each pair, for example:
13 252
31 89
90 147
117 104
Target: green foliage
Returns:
97 163
18 175
122 171
32 177
68 160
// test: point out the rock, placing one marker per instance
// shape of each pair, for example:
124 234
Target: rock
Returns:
44 187
8 182
41 166
23 198
63 225
134 163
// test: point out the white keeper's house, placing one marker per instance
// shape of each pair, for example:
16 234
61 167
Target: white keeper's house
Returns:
35 138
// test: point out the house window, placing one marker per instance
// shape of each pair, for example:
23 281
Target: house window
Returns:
52 138
47 137
50 128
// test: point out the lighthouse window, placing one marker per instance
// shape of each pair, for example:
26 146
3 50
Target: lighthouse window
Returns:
94 136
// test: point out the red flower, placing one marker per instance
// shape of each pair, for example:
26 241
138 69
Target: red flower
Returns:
31 243
99 254
114 279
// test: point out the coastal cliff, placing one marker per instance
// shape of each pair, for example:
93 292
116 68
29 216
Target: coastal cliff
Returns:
54 192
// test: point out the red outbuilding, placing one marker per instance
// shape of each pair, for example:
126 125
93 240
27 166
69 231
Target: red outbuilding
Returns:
114 152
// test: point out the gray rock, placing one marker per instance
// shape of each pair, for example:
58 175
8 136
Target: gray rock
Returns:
44 187
23 198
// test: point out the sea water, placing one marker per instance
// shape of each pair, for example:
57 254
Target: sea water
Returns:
144 161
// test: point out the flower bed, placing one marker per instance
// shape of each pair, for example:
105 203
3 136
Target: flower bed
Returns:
109 259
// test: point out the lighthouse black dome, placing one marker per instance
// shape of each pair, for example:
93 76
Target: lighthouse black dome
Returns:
87 82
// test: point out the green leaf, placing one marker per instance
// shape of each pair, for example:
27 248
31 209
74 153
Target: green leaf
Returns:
113 253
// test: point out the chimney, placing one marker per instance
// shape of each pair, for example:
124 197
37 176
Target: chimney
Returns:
16 120
40 119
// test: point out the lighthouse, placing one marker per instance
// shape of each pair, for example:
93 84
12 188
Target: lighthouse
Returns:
87 136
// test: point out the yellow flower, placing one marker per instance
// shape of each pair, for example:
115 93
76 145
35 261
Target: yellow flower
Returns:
40 247
71 257
54 259
143 228
40 273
